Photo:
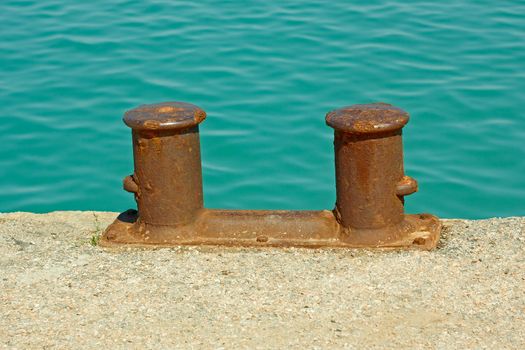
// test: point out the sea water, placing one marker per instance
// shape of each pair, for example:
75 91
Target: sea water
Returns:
266 72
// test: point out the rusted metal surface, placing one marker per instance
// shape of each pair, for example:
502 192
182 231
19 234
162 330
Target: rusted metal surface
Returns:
167 181
368 164
370 184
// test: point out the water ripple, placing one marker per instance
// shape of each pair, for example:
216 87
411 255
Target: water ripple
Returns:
266 73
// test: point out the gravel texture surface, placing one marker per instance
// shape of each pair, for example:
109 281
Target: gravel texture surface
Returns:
57 290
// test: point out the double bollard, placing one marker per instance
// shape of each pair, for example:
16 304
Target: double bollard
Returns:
370 188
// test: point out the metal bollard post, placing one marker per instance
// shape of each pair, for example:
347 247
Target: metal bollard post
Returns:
167 184
370 182
167 181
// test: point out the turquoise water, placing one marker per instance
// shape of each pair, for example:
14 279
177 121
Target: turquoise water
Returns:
266 72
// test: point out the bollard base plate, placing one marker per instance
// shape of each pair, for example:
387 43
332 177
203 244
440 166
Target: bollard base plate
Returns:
272 228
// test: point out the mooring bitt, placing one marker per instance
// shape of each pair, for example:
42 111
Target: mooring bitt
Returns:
370 188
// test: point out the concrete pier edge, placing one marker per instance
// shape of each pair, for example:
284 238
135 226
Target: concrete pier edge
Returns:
57 289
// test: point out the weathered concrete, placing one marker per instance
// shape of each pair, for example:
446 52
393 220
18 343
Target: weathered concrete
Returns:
58 290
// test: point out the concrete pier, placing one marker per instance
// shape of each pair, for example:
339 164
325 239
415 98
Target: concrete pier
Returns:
58 290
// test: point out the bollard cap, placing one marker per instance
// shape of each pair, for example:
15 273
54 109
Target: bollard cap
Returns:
367 118
164 116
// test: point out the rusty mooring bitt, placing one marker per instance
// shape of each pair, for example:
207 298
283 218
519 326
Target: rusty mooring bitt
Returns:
370 187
